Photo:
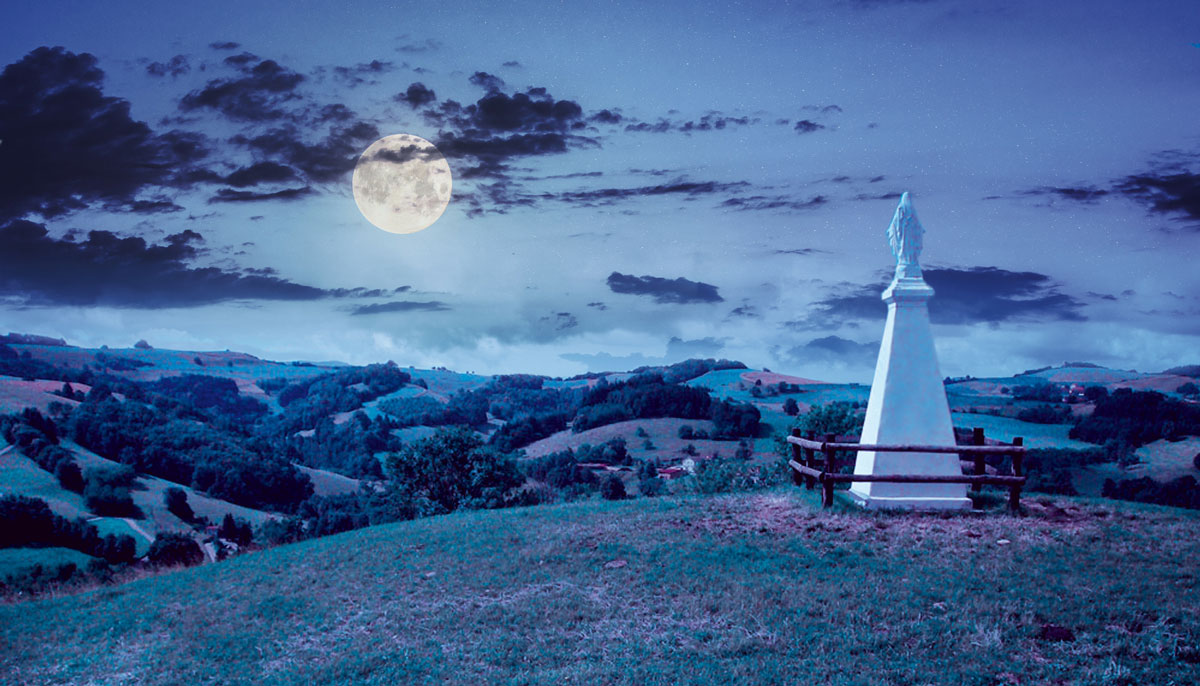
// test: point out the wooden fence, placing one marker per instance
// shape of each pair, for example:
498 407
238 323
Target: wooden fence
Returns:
808 470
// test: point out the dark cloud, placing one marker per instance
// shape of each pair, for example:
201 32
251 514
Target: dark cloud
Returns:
1086 194
361 72
660 126
675 291
159 206
224 45
486 135
607 196
176 66
560 321
1101 296
807 126
400 306
66 145
799 251
964 296
489 82
261 172
606 117
417 95
324 161
512 64
746 311
231 195
1172 193
891 195
106 269
713 121
427 45
1170 188
598 305
777 202
256 94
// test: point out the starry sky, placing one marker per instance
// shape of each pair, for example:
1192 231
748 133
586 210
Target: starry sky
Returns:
634 183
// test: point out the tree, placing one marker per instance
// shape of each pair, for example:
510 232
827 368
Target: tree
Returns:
175 499
69 476
236 530
175 549
686 432
790 408
1188 389
612 488
1094 393
453 468
839 418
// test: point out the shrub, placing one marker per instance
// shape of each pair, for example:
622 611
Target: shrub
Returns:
175 549
790 407
236 530
69 475
177 503
839 418
612 488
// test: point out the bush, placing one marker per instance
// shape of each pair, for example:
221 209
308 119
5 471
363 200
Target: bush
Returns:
652 486
175 549
612 488
69 476
720 475
106 492
236 530
177 503
1045 414
838 418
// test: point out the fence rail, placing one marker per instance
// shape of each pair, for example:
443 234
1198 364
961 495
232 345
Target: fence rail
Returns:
805 450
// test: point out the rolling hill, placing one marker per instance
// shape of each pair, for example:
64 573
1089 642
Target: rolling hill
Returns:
748 588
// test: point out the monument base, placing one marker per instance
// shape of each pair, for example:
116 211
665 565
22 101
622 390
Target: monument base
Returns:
874 502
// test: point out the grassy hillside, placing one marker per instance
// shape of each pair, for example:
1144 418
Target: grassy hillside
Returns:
757 588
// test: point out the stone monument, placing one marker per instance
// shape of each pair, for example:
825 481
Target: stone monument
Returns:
908 400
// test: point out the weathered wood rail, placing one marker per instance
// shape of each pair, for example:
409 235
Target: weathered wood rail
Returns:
807 470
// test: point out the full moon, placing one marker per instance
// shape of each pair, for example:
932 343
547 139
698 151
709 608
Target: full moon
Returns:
402 183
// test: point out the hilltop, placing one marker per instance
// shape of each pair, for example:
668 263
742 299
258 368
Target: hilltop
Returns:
746 588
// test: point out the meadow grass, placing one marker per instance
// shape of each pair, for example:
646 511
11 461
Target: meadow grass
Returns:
20 475
14 561
1035 435
745 588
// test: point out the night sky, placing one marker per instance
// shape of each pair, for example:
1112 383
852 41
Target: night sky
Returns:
634 183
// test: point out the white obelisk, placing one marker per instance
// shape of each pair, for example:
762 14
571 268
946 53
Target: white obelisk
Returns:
908 401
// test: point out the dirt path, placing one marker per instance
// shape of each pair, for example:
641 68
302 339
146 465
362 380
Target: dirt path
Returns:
138 528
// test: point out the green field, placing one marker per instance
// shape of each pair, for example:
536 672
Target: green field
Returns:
118 527
1006 428
751 588
14 561
20 475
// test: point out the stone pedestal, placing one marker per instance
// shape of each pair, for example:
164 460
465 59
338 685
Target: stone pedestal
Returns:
908 404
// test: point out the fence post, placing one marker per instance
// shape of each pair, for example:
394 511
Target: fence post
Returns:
830 470
980 464
1018 468
798 456
808 460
